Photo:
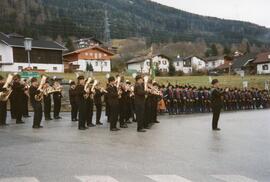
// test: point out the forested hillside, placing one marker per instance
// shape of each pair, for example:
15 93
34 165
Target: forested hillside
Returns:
127 18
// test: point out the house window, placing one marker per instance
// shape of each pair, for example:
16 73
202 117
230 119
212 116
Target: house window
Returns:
148 63
105 64
100 55
159 62
105 54
54 68
96 63
86 53
35 67
265 67
20 68
214 64
0 58
91 54
177 63
96 55
164 62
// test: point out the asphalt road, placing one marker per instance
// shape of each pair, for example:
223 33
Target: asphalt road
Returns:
179 149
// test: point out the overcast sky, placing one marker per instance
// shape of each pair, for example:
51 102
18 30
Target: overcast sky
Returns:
255 11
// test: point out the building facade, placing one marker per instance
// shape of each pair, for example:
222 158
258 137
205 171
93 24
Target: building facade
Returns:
143 64
45 55
189 64
262 62
99 59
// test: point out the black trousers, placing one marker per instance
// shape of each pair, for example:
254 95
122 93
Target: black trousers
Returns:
98 112
37 106
74 110
56 107
25 106
139 110
148 114
113 115
216 114
47 108
82 113
3 112
18 109
89 111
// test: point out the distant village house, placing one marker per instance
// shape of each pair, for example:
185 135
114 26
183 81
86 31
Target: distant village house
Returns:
45 55
98 57
189 64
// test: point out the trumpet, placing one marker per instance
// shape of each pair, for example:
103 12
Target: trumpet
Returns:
87 88
39 96
8 90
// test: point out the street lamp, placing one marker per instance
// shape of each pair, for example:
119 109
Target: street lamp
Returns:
28 48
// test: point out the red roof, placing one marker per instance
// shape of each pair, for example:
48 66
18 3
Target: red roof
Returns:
262 58
94 47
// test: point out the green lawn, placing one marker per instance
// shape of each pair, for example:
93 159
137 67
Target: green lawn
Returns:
226 81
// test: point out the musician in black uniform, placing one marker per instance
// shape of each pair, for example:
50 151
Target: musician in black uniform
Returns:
113 103
98 103
37 106
216 104
72 100
18 94
90 108
81 103
3 104
25 100
57 96
139 102
47 100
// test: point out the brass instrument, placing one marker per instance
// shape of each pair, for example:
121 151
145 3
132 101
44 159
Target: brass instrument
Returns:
146 79
5 94
86 88
39 97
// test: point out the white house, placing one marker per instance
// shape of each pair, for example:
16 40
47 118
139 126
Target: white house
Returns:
214 62
45 55
189 64
98 57
263 63
142 64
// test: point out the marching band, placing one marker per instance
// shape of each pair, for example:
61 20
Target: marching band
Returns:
125 102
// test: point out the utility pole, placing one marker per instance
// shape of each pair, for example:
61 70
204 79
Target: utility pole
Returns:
107 31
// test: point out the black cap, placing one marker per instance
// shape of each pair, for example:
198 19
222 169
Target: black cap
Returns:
80 77
72 83
138 77
33 79
111 79
214 81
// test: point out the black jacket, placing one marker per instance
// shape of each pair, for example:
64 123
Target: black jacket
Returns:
216 98
139 93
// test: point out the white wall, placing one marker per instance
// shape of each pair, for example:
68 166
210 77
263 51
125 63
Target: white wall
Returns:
47 67
196 63
163 65
260 69
96 65
7 53
214 64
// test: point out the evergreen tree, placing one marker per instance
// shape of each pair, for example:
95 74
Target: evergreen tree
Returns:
226 50
214 51
69 45
172 70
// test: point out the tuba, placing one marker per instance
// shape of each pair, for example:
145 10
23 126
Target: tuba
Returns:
5 94
39 97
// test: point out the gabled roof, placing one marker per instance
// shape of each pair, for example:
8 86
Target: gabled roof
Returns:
143 58
18 41
262 58
89 48
214 58
241 61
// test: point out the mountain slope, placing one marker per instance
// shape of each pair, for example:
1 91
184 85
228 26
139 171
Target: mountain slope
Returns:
127 18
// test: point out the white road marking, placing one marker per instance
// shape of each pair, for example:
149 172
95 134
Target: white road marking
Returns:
168 178
96 179
233 178
23 179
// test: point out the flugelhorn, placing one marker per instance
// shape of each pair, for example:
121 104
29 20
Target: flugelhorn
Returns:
8 90
39 97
